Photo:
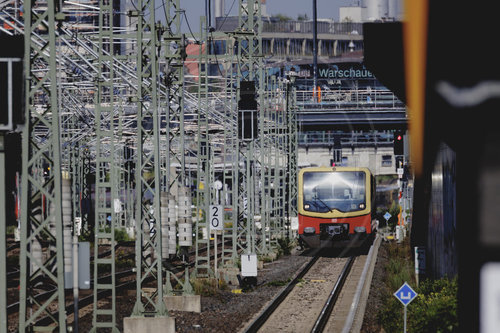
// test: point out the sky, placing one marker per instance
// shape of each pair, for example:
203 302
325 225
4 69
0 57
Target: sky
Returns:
292 8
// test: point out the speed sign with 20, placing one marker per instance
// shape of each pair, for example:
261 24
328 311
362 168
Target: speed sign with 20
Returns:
216 217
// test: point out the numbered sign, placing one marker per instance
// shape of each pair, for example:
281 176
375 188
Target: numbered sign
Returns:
216 217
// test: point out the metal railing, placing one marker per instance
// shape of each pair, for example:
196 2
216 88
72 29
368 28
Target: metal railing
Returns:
306 27
303 27
322 138
348 99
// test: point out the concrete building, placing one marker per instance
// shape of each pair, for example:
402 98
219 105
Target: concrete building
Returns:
372 10
380 160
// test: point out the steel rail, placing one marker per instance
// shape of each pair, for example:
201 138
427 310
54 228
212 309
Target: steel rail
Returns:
268 311
325 313
14 307
87 300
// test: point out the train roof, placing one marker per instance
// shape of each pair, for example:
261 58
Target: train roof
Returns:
335 168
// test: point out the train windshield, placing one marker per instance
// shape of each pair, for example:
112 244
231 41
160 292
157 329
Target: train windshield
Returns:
344 191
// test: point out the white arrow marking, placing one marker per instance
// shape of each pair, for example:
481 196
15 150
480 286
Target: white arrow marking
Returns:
403 297
467 97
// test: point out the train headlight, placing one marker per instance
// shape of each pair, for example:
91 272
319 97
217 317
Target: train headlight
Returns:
309 230
359 229
362 206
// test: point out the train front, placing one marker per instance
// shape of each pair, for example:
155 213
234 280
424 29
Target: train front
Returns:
334 205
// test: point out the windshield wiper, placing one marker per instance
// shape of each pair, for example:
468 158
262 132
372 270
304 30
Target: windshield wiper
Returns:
324 204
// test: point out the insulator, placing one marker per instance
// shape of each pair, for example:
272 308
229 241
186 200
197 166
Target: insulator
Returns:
185 234
172 239
164 224
184 206
67 222
172 211
36 250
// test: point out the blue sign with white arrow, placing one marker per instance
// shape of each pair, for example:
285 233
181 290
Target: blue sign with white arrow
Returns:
405 294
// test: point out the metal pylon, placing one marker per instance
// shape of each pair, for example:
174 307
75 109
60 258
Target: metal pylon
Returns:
41 212
147 176
230 173
279 147
176 183
266 138
85 188
203 181
248 36
174 54
293 153
104 314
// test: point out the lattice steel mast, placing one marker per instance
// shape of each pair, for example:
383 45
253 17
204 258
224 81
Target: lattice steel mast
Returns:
41 212
203 181
147 175
249 68
104 315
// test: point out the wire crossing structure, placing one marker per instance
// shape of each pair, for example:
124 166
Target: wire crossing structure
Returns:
148 227
104 313
41 182
114 106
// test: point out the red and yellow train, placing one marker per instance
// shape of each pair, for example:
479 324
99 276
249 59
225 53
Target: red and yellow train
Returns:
335 204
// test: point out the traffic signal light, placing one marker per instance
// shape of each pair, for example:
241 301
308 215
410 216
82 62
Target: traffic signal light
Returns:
399 162
398 143
11 82
247 111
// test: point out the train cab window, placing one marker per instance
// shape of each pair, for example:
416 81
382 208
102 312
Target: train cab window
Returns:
327 191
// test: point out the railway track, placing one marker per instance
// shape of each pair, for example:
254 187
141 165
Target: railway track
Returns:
125 280
311 277
324 296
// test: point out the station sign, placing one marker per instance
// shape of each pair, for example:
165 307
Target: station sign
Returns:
348 71
334 74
